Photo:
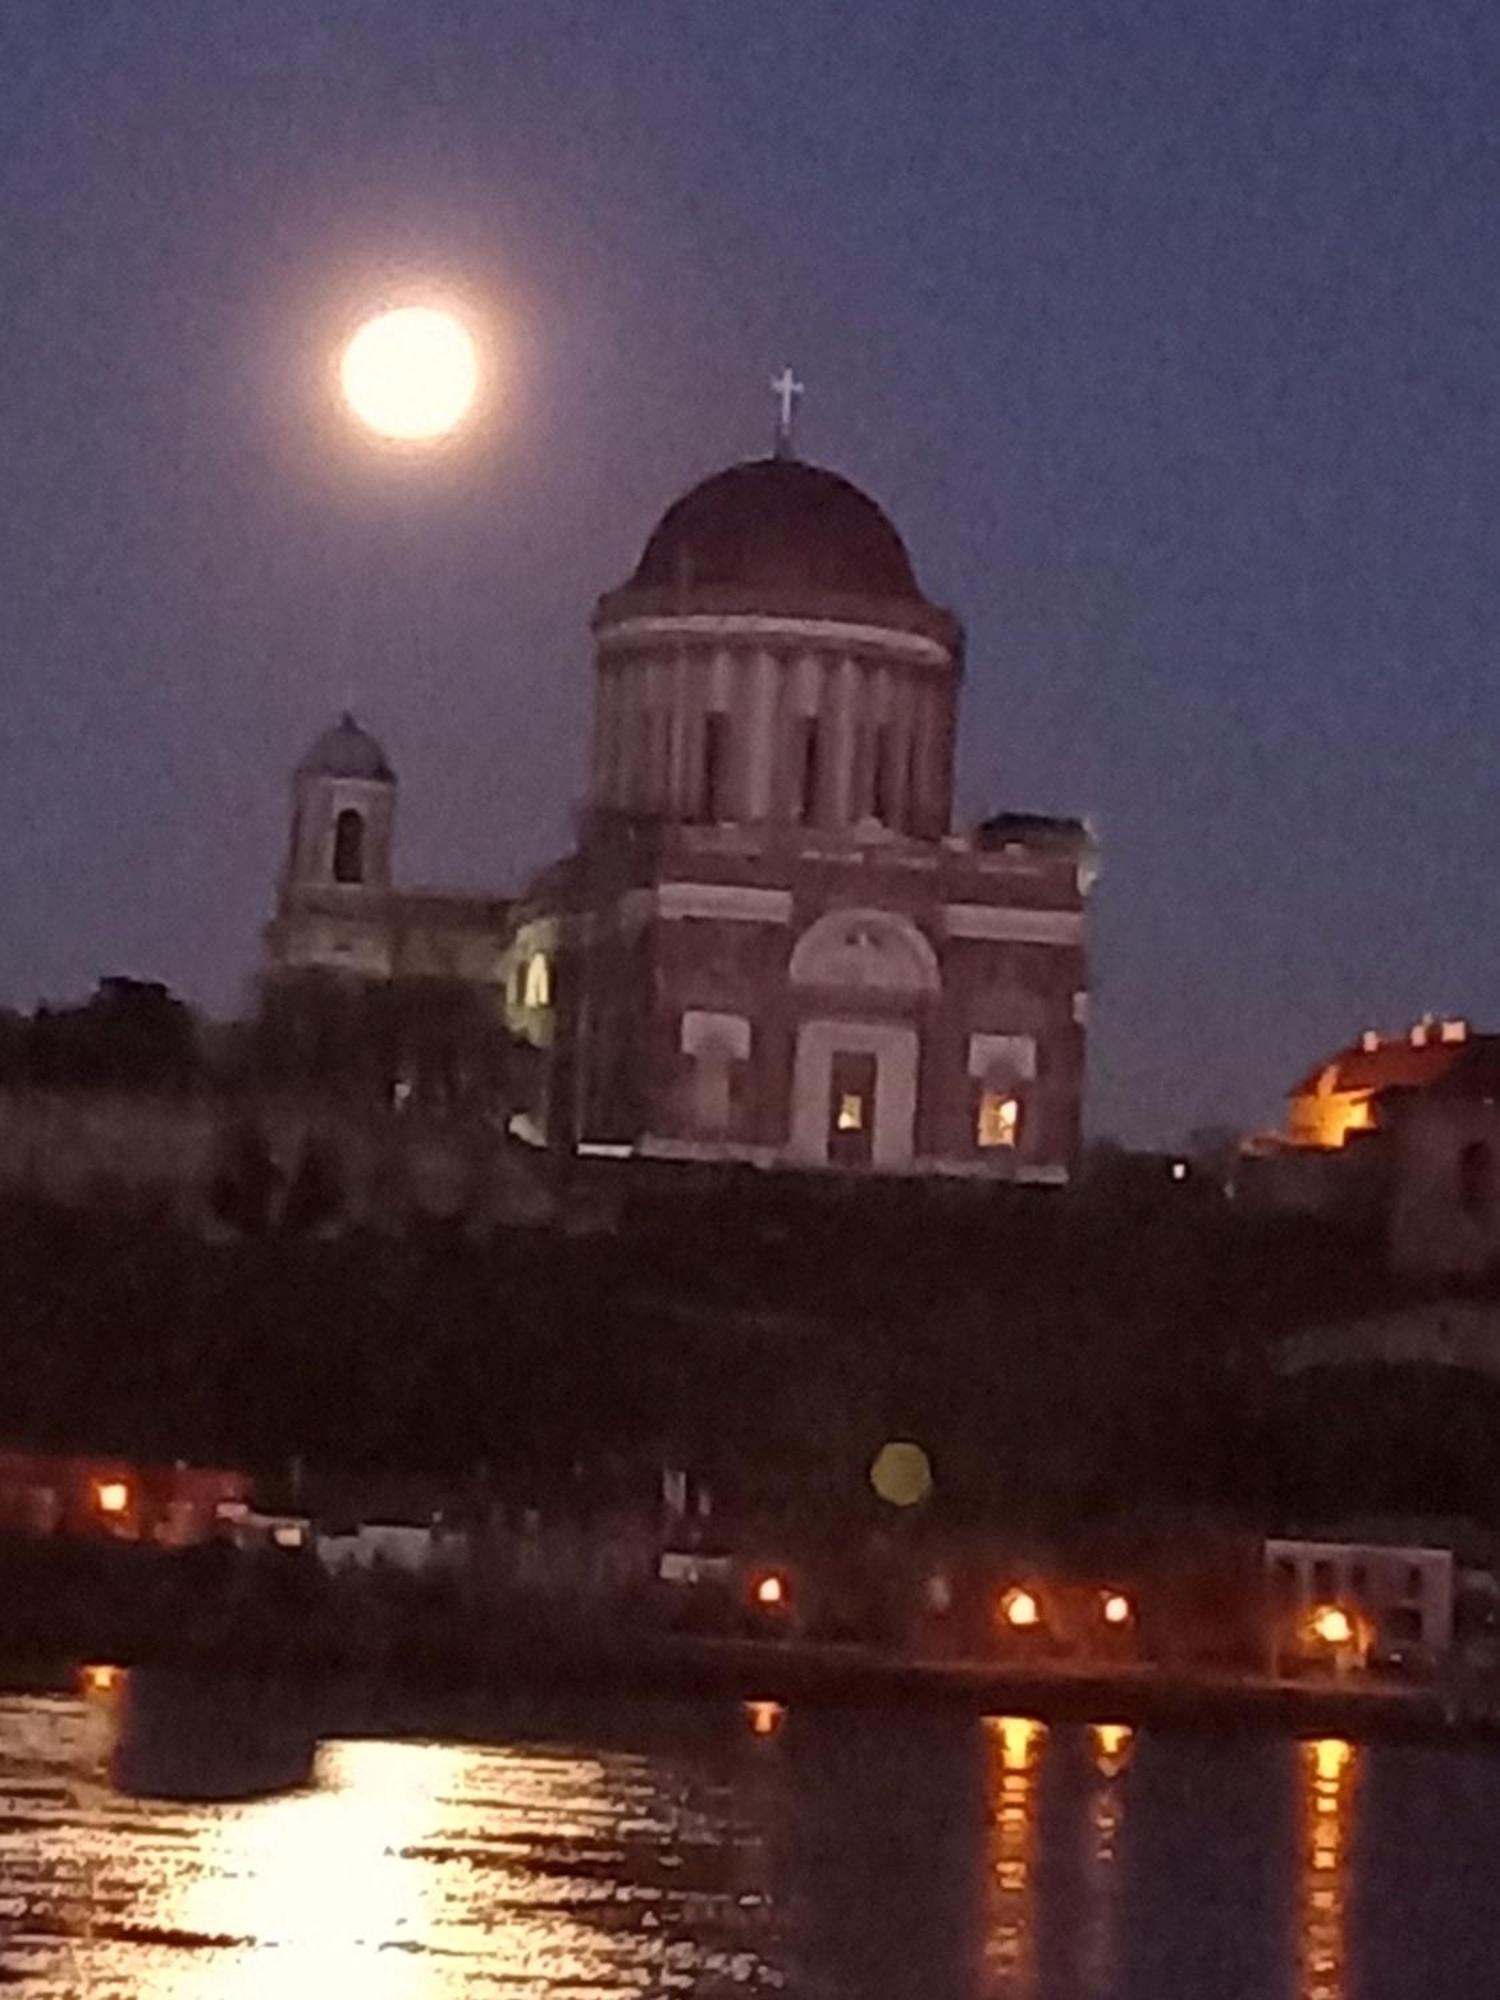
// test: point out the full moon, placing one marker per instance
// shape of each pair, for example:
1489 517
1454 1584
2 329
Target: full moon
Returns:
411 373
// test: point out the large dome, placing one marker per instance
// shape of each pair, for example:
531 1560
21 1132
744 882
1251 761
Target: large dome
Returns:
776 524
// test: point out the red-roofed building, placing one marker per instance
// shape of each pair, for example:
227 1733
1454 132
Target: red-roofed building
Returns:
1402 1134
1362 1087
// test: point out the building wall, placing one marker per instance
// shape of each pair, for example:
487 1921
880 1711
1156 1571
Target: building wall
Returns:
759 960
93 1148
1444 1215
376 933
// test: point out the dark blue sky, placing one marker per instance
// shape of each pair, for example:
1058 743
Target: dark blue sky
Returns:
1168 332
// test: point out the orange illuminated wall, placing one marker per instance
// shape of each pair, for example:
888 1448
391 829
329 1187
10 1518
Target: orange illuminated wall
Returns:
1326 1117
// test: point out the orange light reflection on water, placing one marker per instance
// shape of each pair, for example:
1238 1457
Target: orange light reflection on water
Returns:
1110 1748
1015 1746
1328 1770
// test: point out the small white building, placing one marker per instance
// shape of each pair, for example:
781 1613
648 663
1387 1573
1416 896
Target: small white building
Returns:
391 1545
1406 1593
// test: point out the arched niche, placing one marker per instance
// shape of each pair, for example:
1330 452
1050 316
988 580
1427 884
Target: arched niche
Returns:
868 951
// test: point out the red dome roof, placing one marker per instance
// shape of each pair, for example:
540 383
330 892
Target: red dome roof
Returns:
777 524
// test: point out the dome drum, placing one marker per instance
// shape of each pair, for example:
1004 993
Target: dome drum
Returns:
773 658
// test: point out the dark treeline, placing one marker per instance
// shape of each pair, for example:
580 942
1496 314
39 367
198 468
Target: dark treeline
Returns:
132 1035
440 1044
1060 1359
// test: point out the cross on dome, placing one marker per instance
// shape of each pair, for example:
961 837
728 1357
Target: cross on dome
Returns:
787 389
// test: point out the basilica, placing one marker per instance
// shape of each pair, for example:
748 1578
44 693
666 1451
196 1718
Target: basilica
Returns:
770 944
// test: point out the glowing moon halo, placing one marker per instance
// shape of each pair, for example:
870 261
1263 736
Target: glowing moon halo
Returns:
411 374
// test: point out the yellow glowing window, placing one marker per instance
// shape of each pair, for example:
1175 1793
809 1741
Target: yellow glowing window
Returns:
851 1116
538 992
999 1119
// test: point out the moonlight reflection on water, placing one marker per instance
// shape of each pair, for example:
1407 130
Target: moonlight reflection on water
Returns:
647 1848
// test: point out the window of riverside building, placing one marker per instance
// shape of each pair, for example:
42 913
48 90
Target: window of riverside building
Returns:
851 1114
1404 1622
1323 1580
349 846
999 1118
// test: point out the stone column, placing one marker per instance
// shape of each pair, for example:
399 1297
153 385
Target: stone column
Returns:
843 750
762 735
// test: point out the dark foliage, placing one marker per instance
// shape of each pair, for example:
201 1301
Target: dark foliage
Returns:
437 1044
133 1035
1062 1361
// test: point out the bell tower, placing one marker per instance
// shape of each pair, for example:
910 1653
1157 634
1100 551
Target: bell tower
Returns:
333 903
343 815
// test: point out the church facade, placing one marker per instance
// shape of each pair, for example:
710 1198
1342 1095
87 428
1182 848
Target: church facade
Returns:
770 945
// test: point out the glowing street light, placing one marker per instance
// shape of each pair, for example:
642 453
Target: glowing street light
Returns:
1021 1609
1116 1608
1332 1625
411 374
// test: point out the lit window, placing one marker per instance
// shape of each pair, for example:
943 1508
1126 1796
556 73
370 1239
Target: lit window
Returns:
112 1496
851 1116
999 1119
538 981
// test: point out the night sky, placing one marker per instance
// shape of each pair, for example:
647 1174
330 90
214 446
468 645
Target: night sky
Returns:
1168 333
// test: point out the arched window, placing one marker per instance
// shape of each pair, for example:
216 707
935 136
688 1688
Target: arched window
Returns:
538 987
349 846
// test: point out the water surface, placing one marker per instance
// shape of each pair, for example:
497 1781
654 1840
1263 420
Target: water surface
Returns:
642 1848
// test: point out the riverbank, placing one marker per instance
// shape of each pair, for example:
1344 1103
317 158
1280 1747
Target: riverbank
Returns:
410 1693
1144 1697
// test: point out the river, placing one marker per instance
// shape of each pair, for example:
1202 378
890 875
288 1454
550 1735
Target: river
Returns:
638 1848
